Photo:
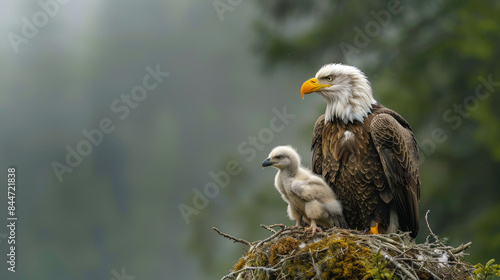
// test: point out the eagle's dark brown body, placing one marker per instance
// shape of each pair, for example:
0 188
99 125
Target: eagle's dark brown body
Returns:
372 166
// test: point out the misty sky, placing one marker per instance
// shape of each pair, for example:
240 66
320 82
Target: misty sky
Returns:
119 206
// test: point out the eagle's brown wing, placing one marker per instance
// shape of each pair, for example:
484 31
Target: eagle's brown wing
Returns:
331 166
324 165
398 151
317 154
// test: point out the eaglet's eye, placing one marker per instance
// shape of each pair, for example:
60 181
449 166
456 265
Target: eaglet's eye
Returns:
278 157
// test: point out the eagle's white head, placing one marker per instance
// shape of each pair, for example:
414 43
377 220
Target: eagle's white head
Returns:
345 88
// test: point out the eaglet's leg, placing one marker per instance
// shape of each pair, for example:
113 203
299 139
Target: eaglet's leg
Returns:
294 215
314 228
314 211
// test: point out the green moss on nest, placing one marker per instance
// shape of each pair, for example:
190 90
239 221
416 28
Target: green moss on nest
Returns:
335 257
259 258
330 258
241 262
283 247
293 253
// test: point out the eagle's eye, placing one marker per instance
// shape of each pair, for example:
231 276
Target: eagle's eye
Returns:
330 78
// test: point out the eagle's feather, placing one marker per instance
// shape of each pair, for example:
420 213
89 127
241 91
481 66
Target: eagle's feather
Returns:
373 170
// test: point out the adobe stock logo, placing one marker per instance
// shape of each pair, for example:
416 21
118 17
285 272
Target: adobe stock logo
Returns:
372 28
455 115
221 7
122 107
30 27
249 148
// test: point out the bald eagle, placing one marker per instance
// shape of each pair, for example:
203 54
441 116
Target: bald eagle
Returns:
366 152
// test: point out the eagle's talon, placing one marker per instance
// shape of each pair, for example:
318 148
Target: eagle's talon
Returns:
372 230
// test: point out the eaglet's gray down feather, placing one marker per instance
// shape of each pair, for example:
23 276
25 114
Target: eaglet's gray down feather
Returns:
310 200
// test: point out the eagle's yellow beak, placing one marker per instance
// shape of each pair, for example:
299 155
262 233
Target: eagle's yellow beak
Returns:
310 86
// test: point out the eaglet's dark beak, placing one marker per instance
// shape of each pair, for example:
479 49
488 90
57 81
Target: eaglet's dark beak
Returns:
267 162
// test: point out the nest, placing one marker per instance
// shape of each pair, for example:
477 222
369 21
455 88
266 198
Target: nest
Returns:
294 253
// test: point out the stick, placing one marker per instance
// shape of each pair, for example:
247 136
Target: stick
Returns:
267 239
461 248
404 270
268 228
267 269
232 237
429 227
430 272
277 225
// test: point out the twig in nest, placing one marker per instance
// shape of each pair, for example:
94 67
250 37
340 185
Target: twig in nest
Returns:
427 261
430 272
403 269
232 237
461 248
232 274
388 240
268 228
267 239
277 225
429 227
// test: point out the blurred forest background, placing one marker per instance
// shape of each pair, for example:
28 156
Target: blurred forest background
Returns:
232 66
